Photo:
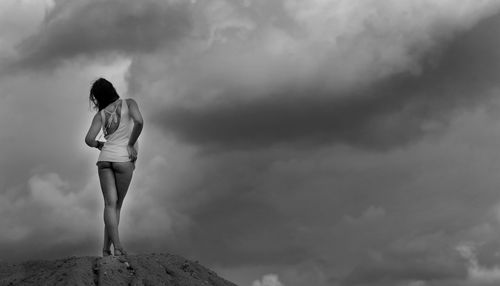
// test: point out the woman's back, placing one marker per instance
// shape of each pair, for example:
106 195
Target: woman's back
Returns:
117 127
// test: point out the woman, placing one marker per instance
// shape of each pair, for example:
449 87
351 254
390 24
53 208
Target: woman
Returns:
121 123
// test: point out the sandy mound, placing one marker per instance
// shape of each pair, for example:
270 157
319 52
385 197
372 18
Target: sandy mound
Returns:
139 270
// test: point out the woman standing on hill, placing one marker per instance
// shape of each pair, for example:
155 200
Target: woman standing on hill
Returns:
121 122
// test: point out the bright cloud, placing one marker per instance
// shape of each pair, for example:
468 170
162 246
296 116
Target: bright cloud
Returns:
268 280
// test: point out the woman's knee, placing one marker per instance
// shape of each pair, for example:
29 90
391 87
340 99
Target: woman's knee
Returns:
111 204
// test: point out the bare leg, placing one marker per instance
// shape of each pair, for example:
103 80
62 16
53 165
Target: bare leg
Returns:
123 175
107 240
108 186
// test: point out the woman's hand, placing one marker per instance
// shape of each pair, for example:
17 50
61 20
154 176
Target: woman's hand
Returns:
132 153
99 145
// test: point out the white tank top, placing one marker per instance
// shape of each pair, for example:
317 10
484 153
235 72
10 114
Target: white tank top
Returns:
115 147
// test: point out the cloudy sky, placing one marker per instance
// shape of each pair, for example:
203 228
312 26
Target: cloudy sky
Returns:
286 142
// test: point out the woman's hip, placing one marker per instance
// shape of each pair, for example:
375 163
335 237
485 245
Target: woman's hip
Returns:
119 167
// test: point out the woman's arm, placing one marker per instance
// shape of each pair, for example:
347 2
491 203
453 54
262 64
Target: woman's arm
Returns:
93 131
138 122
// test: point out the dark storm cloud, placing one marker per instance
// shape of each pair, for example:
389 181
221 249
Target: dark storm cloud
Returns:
388 113
90 28
292 119
411 267
256 241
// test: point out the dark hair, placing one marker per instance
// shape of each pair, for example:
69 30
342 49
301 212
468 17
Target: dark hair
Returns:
102 93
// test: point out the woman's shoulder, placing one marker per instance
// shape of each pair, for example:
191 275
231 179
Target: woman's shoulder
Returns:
97 116
130 102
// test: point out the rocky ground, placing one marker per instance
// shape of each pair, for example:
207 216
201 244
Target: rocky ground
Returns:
136 270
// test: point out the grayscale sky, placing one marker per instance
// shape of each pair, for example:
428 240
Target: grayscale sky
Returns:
286 142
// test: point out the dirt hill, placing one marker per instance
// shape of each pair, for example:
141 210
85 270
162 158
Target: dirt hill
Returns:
138 270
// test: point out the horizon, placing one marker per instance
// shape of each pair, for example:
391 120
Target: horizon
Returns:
286 143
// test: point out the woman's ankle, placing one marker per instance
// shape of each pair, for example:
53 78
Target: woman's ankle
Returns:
120 252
